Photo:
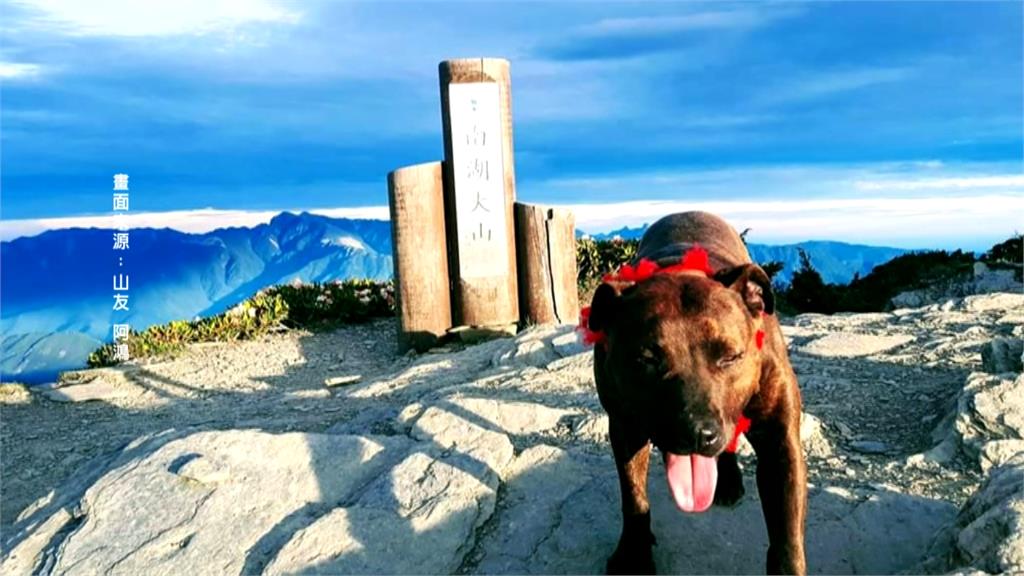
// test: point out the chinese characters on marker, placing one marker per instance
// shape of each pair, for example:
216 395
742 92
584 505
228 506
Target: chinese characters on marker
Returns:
478 178
478 172
121 330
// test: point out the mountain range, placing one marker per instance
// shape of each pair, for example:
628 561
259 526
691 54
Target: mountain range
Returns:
837 262
56 290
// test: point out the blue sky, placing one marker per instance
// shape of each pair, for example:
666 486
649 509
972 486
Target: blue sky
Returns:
879 122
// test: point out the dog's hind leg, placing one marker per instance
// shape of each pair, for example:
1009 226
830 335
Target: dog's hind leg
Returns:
632 455
729 490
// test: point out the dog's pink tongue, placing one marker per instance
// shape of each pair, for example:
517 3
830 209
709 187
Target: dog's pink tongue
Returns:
692 479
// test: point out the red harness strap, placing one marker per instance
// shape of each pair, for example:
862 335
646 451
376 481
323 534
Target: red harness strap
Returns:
695 259
742 425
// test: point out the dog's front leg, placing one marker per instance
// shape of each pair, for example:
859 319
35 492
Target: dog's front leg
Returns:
782 485
632 452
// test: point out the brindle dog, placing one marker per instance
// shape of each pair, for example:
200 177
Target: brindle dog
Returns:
678 367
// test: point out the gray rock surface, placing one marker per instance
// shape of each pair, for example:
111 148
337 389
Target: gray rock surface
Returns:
331 504
988 533
984 281
100 390
869 446
1002 355
494 459
557 520
987 423
995 302
850 345
185 504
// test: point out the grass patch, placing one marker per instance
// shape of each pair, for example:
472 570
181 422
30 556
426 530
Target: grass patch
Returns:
313 306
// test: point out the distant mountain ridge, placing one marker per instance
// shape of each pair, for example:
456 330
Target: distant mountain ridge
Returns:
56 292
837 262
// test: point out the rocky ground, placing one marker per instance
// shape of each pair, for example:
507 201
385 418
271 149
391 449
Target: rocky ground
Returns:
240 458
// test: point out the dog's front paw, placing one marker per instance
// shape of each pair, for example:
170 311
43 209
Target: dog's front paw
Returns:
633 554
729 490
635 559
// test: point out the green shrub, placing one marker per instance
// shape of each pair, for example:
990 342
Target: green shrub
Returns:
807 291
872 293
325 306
595 258
314 306
772 267
1010 251
1007 254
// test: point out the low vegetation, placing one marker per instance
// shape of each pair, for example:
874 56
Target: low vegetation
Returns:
808 292
873 293
595 258
1007 254
312 306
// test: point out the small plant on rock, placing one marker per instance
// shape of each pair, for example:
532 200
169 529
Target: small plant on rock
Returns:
314 306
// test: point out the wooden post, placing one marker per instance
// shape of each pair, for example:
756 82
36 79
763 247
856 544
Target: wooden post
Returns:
479 188
416 201
546 244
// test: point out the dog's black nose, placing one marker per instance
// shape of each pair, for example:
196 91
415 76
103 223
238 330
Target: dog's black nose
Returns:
707 436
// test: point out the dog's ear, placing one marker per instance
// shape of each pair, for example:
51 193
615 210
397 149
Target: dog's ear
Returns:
604 307
753 284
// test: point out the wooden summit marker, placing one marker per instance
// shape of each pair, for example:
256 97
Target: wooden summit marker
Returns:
479 191
466 262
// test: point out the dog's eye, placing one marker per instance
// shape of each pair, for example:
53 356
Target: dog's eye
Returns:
729 359
649 358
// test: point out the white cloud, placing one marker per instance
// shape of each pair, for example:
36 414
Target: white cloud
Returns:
910 204
970 182
794 181
10 70
699 20
830 83
370 212
966 221
157 17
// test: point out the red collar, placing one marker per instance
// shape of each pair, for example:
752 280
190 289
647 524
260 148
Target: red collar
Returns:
695 259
